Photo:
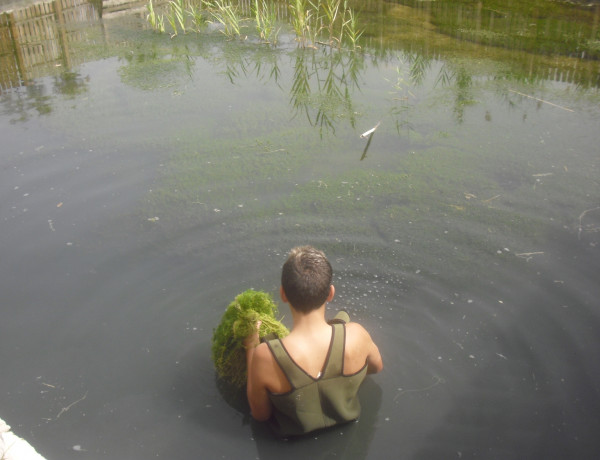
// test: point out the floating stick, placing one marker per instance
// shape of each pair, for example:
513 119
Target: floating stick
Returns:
541 100
581 216
65 409
371 131
528 255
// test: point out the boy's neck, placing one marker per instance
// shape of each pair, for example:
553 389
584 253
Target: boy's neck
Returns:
312 319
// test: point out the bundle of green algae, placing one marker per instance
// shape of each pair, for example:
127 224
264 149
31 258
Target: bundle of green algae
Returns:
238 322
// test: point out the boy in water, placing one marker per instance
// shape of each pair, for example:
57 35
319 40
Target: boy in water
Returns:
309 379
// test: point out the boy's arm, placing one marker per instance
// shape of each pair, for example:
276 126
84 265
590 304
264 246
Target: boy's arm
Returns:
257 359
361 343
258 397
374 360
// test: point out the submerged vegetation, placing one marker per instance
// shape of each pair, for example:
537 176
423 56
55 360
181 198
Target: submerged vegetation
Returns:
238 322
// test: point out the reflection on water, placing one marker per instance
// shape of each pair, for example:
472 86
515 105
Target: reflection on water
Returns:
37 39
148 180
325 84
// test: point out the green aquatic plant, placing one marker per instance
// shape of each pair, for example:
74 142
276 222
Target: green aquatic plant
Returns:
196 14
228 16
331 10
266 17
156 21
172 18
298 19
350 27
325 22
238 322
178 10
304 19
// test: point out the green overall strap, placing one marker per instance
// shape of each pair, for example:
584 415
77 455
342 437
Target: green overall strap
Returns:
295 375
335 361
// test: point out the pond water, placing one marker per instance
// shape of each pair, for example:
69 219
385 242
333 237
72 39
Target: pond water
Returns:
147 180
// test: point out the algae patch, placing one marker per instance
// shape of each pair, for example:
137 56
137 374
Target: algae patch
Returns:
238 321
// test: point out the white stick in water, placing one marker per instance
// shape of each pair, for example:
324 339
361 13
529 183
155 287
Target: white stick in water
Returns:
371 131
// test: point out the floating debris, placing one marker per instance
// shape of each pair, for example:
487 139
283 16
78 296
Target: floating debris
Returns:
528 255
541 100
490 199
67 408
369 132
581 216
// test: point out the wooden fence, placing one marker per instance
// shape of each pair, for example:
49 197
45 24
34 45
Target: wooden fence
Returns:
37 37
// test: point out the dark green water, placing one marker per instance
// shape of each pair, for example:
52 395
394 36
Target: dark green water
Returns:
147 180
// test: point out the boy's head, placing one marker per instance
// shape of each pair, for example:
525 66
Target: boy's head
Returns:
306 278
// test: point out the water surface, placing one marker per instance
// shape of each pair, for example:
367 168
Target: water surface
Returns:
146 181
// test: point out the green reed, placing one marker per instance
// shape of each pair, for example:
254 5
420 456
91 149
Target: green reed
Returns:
350 27
315 22
302 18
329 22
228 16
179 14
155 20
331 11
196 14
176 17
266 19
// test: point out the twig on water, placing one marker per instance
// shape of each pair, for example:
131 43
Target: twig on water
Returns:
581 216
65 409
528 255
490 199
541 100
370 131
417 390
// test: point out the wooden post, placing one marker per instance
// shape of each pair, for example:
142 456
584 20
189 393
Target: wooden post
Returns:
14 32
62 33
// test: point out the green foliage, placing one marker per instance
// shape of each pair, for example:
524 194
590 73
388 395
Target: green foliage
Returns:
350 27
238 322
228 16
325 22
329 20
155 20
177 16
266 18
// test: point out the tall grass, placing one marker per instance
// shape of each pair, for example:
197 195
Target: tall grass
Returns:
304 18
196 14
176 16
266 20
350 27
155 20
228 16
329 22
315 22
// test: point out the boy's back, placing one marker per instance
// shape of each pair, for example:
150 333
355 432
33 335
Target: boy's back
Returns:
309 352
285 377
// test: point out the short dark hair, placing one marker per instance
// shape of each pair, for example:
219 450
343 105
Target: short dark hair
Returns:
306 278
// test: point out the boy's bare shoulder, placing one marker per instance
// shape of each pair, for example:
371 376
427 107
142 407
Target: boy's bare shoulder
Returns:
262 352
359 344
355 333
356 328
262 360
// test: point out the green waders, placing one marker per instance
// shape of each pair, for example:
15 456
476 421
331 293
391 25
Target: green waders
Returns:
315 403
